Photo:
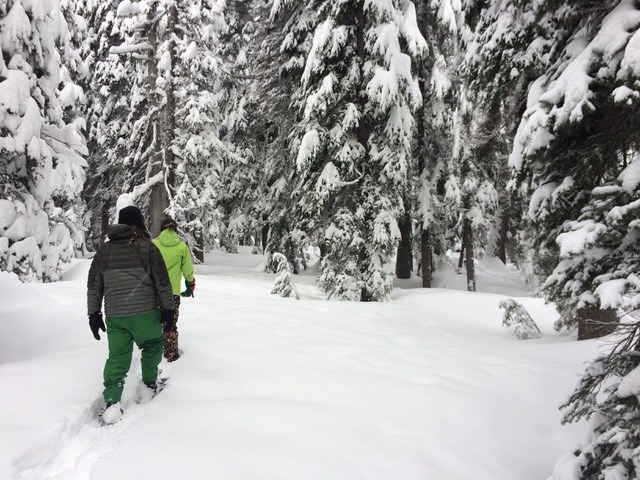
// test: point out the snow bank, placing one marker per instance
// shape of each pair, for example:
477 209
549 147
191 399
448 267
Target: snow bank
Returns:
271 388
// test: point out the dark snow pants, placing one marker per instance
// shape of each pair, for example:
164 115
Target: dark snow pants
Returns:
171 352
145 329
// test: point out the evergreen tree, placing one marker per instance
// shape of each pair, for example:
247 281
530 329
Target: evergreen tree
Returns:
571 139
250 59
600 250
357 101
508 49
107 111
194 102
286 45
128 119
169 50
443 26
609 396
41 147
576 152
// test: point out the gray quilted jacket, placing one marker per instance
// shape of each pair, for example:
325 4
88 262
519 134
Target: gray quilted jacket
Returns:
130 274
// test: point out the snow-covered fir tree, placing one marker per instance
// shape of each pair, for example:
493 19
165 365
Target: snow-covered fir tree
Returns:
127 118
189 70
600 250
41 147
471 187
108 114
357 103
576 151
608 394
443 26
571 139
235 42
507 49
168 55
284 49
256 197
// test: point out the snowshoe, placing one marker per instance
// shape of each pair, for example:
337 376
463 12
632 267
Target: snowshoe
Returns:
112 414
148 390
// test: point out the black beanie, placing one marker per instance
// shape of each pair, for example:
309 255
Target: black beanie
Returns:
132 216
168 222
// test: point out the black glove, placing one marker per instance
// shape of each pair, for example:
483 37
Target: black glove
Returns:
96 324
168 321
191 287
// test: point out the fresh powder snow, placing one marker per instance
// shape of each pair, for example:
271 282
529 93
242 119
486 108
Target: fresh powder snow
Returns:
427 386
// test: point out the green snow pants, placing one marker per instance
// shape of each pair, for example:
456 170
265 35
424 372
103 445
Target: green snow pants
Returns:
145 329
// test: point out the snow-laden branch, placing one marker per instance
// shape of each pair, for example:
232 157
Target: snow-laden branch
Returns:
130 198
329 179
138 47
79 234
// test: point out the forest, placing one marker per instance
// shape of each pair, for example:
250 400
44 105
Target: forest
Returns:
391 136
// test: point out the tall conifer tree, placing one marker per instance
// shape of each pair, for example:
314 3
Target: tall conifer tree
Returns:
41 147
357 104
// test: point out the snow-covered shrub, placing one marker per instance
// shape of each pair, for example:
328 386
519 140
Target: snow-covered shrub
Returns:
516 315
283 284
567 321
609 394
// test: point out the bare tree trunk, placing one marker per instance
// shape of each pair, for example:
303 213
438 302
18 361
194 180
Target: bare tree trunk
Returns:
404 259
426 258
594 322
157 196
265 236
104 221
169 131
503 233
467 234
198 250
462 249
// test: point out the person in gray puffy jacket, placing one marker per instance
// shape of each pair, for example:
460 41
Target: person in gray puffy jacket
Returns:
129 274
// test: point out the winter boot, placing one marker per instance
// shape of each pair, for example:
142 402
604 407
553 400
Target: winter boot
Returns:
146 392
153 386
112 414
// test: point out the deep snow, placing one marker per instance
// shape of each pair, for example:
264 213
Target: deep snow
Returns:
429 386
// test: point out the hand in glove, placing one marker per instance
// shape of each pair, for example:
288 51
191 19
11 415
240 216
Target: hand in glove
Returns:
191 287
96 324
168 320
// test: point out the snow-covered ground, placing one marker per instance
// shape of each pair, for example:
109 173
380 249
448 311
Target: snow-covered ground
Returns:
429 386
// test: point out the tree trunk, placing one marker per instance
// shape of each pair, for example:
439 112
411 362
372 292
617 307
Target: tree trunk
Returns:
104 221
198 249
404 259
467 235
158 194
426 258
503 233
169 131
462 248
594 322
363 131
265 236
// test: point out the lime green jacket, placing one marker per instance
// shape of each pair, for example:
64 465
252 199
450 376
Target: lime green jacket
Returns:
177 258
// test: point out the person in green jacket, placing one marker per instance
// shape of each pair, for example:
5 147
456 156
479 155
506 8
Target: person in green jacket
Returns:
177 258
